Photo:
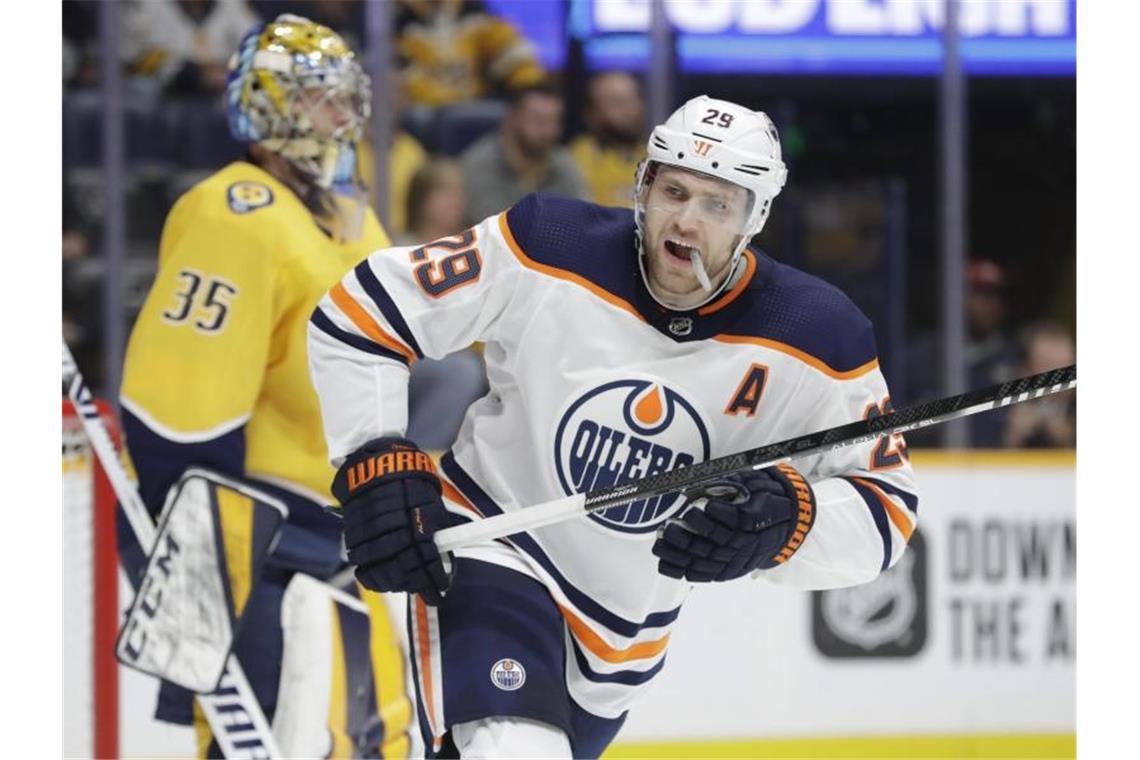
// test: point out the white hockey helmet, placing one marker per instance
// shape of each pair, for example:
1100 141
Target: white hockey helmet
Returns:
725 141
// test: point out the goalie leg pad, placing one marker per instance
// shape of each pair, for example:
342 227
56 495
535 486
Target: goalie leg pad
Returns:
343 691
213 539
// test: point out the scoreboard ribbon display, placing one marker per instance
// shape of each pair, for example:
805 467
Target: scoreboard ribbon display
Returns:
809 37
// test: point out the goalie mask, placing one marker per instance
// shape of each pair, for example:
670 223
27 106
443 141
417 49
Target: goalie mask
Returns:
731 172
295 88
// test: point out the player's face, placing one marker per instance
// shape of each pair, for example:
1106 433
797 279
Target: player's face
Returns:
330 111
686 211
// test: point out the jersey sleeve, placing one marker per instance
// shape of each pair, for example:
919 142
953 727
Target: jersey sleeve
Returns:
198 350
395 308
866 502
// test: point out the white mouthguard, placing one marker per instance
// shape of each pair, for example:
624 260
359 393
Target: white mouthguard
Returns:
699 268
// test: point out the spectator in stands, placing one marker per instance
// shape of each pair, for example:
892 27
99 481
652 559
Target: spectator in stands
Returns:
405 157
992 350
991 354
437 202
435 209
1049 422
522 157
614 143
183 45
451 51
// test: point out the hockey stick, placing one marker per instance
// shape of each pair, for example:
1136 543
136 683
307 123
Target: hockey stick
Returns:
235 718
901 421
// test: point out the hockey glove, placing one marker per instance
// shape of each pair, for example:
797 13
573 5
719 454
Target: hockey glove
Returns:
390 496
736 525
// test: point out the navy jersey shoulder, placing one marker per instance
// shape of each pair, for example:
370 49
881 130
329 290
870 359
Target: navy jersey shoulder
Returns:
800 310
595 242
780 303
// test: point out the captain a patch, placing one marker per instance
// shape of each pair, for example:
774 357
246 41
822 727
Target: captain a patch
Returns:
247 196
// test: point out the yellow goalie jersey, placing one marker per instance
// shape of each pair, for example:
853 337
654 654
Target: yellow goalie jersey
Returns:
216 371
216 375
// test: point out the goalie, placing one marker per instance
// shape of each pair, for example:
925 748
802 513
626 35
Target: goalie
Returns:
216 377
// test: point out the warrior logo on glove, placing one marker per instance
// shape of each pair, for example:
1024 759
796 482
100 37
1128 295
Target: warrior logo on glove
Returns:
400 459
736 525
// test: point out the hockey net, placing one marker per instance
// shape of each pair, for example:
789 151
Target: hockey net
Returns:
90 594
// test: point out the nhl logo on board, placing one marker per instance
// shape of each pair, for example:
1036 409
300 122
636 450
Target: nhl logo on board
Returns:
681 325
881 619
508 674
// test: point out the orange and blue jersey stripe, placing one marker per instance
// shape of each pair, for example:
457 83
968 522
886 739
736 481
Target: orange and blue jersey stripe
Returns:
584 637
363 320
626 677
321 321
383 301
885 512
625 628
370 336
772 305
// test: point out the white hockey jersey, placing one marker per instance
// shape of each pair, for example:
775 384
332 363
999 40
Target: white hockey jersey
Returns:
592 383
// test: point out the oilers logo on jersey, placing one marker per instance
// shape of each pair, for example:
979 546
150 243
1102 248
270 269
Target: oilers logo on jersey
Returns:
625 430
508 674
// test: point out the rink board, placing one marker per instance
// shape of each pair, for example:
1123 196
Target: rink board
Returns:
966 651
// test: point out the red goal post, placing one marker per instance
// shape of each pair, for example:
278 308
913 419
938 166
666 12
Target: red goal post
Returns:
91 586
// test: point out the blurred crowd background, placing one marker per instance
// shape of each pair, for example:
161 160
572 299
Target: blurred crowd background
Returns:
488 101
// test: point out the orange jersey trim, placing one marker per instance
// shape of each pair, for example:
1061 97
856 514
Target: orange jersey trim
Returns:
562 274
803 356
898 517
592 641
737 289
451 493
366 324
425 661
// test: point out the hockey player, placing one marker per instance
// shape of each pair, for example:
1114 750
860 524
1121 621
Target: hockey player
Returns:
619 344
216 372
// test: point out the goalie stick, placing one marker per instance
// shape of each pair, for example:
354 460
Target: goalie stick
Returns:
901 421
235 718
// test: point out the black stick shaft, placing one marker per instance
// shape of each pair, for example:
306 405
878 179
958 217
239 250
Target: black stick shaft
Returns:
901 421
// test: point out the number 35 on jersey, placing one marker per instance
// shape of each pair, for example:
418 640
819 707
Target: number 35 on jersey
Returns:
202 301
